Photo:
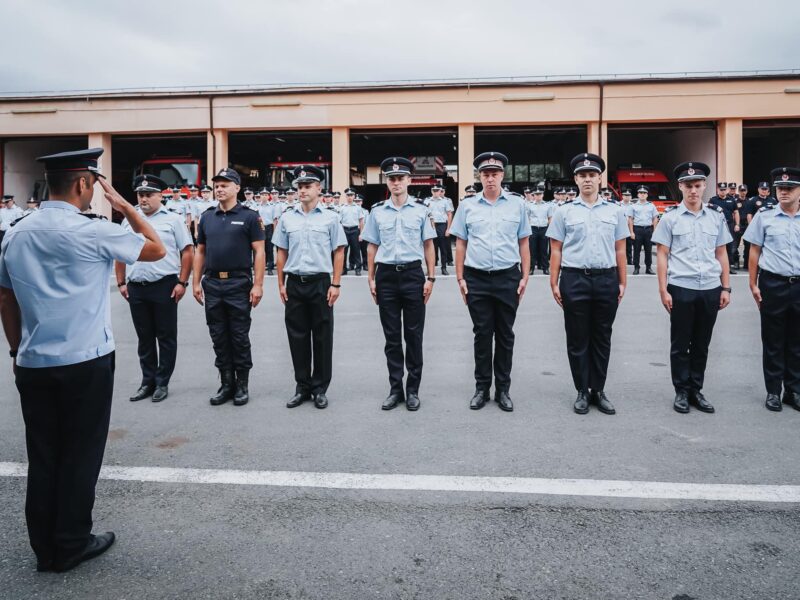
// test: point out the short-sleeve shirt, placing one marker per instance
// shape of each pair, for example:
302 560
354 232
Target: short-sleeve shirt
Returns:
588 233
643 214
8 216
756 203
228 237
492 230
778 234
539 213
439 207
267 213
59 262
310 238
727 204
173 232
692 240
399 233
177 206
626 209
350 215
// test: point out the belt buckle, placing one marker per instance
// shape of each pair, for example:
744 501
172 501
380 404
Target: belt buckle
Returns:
587 271
303 279
794 278
223 274
399 268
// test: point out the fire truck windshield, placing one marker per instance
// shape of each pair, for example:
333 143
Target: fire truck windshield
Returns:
173 173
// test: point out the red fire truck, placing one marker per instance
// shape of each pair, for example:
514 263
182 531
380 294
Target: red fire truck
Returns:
630 177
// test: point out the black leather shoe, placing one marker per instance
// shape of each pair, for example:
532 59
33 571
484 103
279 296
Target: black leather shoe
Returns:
161 393
681 403
479 399
546 271
444 271
774 402
270 272
321 400
734 271
412 401
792 399
358 272
226 389
96 546
700 402
636 271
242 394
581 405
449 263
143 392
649 271
298 399
603 403
504 401
392 400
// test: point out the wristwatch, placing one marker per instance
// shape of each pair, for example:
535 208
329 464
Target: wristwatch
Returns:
121 284
184 283
336 285
12 353
729 290
432 279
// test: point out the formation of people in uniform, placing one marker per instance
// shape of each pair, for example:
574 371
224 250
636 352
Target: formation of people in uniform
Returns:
55 263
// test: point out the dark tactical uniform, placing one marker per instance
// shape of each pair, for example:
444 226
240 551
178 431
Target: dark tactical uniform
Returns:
728 206
752 206
227 280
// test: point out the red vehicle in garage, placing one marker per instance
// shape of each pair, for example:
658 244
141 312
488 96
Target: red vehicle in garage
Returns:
631 177
181 170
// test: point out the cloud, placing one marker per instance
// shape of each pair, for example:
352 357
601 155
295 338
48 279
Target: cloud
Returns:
93 44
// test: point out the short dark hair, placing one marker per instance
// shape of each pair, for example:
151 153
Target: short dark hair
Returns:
61 182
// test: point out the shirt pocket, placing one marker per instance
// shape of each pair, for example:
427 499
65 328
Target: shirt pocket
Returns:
476 226
682 236
576 229
387 230
776 238
319 235
509 225
708 235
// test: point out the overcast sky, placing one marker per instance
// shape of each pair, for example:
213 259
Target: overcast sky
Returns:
106 44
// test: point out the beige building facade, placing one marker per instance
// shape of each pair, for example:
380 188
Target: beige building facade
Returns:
714 120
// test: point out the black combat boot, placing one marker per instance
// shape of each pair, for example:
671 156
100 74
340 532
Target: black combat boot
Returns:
242 396
226 389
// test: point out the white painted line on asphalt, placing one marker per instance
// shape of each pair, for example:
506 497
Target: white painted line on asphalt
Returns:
649 490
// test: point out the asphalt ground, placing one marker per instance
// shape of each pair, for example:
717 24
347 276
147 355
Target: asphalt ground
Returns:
200 540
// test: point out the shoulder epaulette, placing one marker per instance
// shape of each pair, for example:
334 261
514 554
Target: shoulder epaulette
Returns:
567 202
15 221
762 209
209 208
93 216
669 208
418 201
717 208
381 203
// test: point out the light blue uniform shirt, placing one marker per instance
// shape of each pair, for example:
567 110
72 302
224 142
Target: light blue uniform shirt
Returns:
588 234
439 207
626 209
58 262
310 239
177 206
267 213
778 234
492 230
350 215
643 213
539 213
399 233
692 241
173 232
8 216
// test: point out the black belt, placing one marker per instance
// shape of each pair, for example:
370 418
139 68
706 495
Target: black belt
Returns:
538 226
307 278
497 272
350 227
790 279
643 226
228 274
402 266
589 271
146 283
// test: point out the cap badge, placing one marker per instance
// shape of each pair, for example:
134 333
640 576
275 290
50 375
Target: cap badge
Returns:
302 173
144 183
586 163
785 176
690 171
395 167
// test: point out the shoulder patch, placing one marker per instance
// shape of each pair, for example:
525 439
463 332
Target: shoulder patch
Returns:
93 216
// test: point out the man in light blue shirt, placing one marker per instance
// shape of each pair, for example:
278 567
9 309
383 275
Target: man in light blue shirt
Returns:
310 243
626 205
153 290
493 263
693 280
587 250
400 238
774 237
539 215
642 220
441 211
266 210
54 303
352 219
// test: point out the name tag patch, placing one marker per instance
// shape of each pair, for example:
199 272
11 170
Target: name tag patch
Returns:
237 222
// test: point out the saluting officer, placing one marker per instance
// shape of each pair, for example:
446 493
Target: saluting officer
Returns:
441 211
539 215
693 281
353 222
587 249
400 237
727 203
307 237
230 248
642 220
774 236
153 290
492 230
54 304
